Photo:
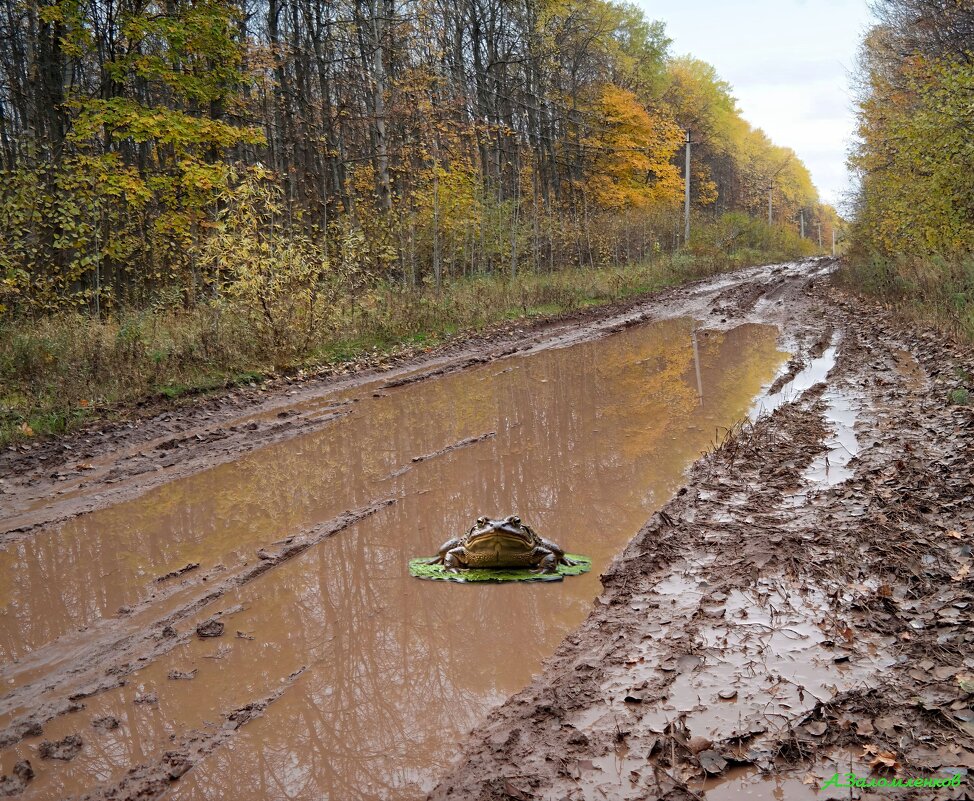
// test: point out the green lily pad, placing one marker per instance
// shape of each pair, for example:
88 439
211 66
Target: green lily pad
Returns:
420 569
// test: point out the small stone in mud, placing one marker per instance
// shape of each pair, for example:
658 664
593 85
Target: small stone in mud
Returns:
243 635
146 698
169 631
698 744
16 783
105 723
184 675
176 764
727 695
578 738
65 749
238 717
125 610
210 628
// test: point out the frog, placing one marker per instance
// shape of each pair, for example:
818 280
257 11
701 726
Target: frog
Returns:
500 544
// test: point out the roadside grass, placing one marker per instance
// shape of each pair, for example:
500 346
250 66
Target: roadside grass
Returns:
57 372
959 397
930 289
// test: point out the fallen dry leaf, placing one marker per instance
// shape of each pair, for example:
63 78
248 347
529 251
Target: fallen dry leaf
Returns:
883 760
963 572
712 762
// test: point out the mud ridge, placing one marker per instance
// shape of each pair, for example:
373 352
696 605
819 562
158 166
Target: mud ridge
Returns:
149 781
464 443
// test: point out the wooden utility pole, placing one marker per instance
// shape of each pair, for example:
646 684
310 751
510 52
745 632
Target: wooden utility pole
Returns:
686 199
771 188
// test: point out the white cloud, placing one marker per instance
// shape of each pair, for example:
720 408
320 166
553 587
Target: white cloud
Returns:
789 62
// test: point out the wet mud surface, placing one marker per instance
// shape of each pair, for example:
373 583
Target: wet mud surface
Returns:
222 601
802 609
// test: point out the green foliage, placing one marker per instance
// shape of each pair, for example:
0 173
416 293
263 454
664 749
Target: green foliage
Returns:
913 234
935 287
959 397
158 117
122 211
421 569
278 280
735 239
915 161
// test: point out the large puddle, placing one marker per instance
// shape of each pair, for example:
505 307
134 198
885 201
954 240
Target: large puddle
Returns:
584 443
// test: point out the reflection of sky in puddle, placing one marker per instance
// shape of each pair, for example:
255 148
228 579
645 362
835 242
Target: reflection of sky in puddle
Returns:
842 444
832 467
783 663
814 372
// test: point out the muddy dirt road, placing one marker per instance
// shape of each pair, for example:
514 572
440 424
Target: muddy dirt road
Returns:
217 597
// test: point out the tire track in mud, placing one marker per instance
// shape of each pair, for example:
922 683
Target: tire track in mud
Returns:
103 664
151 780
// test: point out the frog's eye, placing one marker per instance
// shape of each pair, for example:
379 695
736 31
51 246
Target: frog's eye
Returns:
481 521
515 520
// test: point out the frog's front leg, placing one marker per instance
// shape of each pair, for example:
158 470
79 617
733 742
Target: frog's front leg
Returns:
547 560
455 559
558 552
445 548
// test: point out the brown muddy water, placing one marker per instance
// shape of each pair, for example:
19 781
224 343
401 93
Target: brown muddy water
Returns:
584 443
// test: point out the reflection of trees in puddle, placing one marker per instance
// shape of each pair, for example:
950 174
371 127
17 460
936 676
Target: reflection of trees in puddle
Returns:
588 439
413 665
387 679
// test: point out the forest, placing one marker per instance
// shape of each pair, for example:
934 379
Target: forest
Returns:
192 189
914 209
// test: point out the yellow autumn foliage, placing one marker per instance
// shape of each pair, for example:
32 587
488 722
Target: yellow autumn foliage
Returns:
632 153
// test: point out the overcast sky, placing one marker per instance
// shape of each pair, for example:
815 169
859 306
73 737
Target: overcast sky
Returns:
789 63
